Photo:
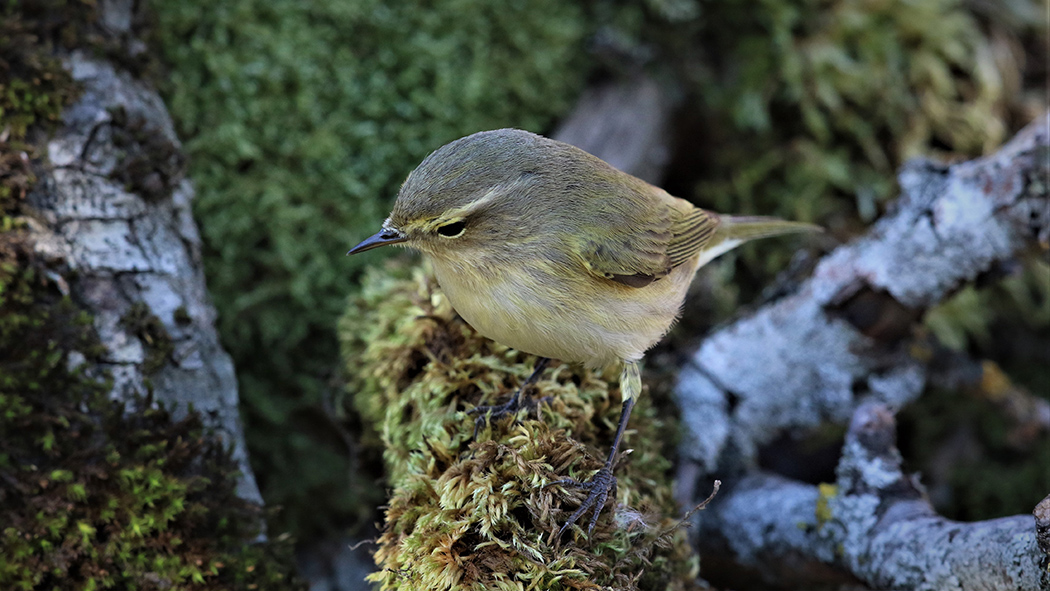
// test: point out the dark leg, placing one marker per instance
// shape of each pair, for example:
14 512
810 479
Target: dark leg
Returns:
487 413
603 482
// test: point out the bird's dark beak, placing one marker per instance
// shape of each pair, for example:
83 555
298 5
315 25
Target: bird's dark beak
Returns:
380 238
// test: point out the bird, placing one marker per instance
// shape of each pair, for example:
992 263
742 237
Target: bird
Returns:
547 249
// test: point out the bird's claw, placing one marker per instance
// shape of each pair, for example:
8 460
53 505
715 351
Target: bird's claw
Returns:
488 413
600 485
484 414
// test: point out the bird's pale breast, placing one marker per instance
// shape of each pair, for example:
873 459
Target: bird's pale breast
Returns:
582 318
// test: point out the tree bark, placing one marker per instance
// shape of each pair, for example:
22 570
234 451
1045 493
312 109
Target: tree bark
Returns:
114 207
812 356
874 524
838 348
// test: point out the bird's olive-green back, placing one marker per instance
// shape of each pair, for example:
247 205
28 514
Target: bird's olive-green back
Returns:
519 190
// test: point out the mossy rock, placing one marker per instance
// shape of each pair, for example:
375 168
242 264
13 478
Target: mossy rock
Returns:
479 514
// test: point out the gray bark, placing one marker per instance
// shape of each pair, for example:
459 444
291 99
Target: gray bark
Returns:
812 356
625 122
114 206
877 525
836 348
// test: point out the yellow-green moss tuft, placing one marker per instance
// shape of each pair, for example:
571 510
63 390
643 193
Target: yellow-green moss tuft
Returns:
476 514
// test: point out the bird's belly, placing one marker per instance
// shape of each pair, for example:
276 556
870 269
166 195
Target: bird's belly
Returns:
594 325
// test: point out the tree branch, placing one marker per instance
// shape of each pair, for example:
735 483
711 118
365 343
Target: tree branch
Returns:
114 206
812 356
874 524
837 348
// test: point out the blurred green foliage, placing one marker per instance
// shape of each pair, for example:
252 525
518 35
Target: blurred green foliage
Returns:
301 119
963 323
813 104
984 448
982 451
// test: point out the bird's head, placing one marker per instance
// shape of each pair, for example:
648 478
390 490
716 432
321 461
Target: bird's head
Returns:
474 194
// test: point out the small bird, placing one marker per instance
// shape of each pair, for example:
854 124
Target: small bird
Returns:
549 250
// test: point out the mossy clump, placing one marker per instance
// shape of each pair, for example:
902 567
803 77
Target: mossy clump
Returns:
300 121
468 514
97 495
33 85
150 163
145 325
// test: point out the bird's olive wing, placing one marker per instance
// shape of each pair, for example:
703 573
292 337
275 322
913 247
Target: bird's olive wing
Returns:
646 247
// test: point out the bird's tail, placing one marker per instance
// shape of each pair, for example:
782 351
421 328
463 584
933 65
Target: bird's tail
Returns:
735 230
745 228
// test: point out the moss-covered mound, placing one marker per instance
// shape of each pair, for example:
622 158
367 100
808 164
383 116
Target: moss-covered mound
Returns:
470 514
96 495
300 120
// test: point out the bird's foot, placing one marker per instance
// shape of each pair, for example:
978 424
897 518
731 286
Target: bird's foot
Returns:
600 485
484 414
488 413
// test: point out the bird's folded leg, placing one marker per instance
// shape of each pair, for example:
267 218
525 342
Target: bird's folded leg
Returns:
484 414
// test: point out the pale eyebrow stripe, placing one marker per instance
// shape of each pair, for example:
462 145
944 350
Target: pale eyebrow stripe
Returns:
488 197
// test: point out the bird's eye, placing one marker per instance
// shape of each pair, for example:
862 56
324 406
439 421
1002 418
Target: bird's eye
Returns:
452 230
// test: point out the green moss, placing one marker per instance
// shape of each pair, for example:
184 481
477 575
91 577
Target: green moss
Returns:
34 87
96 495
476 514
301 119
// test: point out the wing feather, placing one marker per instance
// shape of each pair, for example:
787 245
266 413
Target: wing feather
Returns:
690 234
624 229
642 247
